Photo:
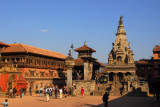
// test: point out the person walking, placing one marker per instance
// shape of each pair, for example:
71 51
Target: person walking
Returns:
5 104
105 99
74 94
30 91
11 93
60 92
14 92
21 92
47 94
56 91
82 91
65 92
41 92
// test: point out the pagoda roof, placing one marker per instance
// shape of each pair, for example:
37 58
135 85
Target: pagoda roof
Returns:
84 48
3 44
22 48
156 48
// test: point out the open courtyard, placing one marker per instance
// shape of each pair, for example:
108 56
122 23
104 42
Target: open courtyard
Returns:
79 101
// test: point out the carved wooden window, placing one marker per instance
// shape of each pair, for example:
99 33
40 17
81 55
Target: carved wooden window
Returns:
142 68
149 68
17 59
47 74
51 73
37 74
55 74
3 60
26 74
42 74
27 61
32 73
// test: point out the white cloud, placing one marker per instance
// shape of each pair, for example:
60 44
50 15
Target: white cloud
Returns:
44 30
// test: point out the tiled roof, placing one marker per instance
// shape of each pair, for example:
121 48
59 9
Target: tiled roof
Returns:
85 48
146 62
3 44
156 48
80 61
22 48
102 65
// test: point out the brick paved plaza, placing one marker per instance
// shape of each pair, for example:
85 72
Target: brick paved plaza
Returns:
79 101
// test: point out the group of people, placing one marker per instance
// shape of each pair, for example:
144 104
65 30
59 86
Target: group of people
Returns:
62 91
50 91
12 93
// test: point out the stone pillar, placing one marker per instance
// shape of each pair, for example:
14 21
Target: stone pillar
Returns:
90 71
86 71
69 77
69 63
128 85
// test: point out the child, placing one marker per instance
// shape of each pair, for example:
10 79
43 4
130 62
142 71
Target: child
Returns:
5 104
82 91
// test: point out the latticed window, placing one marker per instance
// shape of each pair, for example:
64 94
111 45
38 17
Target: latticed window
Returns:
32 73
26 74
42 74
51 73
149 68
142 68
37 74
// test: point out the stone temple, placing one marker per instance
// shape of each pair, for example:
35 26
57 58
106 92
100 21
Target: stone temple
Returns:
121 70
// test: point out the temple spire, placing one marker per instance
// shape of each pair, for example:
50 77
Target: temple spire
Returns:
121 21
120 29
85 43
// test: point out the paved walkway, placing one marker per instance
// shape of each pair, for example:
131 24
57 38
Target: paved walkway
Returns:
79 101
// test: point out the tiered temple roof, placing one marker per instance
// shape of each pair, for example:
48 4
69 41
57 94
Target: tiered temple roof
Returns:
84 48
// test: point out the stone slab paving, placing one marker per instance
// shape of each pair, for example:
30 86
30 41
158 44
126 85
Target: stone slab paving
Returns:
79 101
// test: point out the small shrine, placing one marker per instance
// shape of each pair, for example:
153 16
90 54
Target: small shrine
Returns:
86 67
82 71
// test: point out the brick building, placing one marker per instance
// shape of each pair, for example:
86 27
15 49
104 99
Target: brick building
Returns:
38 66
149 69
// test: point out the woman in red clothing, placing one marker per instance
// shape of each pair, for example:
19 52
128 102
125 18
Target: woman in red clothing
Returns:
82 91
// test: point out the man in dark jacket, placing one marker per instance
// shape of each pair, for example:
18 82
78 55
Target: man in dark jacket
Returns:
21 92
105 99
14 92
56 91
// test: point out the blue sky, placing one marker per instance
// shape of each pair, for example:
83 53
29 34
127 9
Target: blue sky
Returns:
56 24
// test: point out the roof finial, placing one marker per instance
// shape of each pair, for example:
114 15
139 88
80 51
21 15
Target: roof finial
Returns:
85 43
121 21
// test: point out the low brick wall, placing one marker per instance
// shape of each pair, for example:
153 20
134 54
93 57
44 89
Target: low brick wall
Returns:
88 86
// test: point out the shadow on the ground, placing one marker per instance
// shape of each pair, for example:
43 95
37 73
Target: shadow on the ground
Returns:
41 100
132 99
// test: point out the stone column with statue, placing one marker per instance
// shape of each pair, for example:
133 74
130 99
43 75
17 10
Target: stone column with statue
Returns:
69 63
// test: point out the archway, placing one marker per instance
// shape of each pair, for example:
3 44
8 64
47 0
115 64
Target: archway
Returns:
111 76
